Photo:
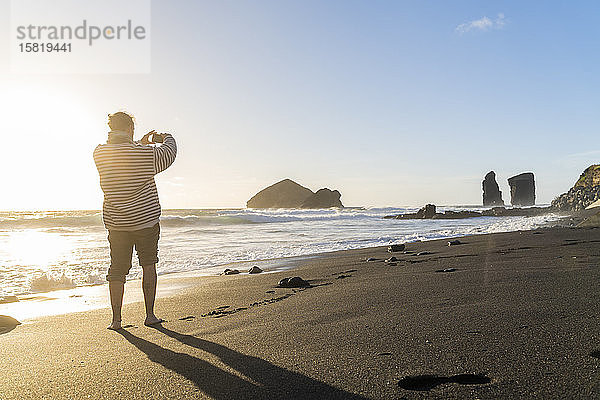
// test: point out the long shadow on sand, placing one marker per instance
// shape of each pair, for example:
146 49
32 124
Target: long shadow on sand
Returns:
272 382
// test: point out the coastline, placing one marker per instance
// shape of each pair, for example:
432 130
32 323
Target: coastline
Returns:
519 310
94 296
74 253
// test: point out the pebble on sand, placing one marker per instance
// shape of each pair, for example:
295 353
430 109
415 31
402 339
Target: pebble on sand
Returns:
396 247
7 324
255 270
294 282
446 270
454 242
231 272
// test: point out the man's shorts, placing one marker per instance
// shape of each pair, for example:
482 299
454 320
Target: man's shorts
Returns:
122 243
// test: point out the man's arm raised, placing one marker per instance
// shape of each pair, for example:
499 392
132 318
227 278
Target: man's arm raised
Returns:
165 154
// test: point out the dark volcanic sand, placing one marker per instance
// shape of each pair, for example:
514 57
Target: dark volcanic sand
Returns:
518 317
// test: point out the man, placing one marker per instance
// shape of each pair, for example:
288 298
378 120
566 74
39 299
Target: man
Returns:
131 208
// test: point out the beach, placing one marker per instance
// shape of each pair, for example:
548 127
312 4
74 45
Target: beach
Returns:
508 315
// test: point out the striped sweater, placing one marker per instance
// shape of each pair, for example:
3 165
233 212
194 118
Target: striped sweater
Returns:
127 170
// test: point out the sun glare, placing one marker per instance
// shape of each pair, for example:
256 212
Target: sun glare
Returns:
42 124
34 248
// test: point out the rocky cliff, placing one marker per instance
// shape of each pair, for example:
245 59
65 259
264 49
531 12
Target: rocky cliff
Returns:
590 177
522 189
289 194
585 191
492 196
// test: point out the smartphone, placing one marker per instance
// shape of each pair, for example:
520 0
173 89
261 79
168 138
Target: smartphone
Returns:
157 138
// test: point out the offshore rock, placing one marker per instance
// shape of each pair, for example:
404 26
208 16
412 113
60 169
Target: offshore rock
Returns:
427 212
283 194
492 196
493 212
324 198
522 189
289 194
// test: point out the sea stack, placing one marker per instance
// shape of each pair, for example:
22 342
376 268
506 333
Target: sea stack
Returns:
492 196
522 189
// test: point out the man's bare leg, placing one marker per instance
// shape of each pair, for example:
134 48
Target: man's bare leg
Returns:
116 289
149 289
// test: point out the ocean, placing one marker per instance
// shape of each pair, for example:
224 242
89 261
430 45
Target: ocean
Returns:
47 250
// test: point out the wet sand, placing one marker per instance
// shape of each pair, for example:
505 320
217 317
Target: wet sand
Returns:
517 317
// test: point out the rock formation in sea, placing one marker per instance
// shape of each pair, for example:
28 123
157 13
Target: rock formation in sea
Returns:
522 189
492 196
324 198
585 192
429 212
289 194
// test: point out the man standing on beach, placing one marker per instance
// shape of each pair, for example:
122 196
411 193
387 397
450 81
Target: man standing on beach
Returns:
131 209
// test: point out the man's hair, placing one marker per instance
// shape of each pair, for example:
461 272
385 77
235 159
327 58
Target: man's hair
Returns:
120 121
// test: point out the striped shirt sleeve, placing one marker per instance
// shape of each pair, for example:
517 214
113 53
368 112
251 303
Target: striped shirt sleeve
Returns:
164 155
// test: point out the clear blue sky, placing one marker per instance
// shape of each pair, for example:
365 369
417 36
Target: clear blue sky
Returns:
390 102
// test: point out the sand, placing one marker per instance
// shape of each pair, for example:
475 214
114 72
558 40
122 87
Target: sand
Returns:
517 318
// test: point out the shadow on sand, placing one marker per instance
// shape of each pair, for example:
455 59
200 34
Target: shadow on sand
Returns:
428 382
271 381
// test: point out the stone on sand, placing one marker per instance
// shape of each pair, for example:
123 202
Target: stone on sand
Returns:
231 272
7 324
396 247
293 282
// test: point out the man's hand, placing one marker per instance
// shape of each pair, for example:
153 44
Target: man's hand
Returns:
146 138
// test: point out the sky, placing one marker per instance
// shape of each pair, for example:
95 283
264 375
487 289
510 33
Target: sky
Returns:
390 102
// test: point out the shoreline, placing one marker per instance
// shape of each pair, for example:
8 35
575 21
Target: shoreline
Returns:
517 317
90 297
188 242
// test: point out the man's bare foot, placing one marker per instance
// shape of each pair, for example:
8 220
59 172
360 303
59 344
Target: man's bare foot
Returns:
115 326
153 320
